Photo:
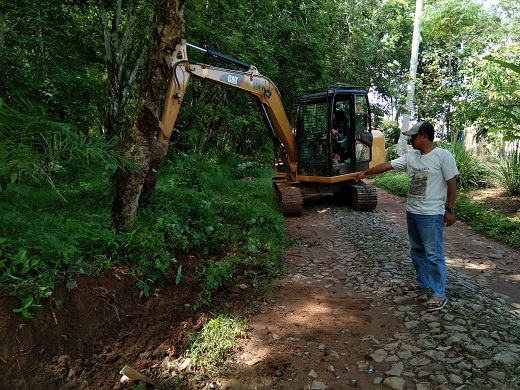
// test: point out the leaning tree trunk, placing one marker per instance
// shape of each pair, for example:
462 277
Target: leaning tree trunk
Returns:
139 140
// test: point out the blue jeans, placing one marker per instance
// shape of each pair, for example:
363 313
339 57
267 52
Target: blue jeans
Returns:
427 251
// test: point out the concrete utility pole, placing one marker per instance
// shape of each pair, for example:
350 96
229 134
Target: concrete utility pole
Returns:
410 88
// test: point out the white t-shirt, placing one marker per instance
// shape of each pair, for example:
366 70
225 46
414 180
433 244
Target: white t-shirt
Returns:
428 175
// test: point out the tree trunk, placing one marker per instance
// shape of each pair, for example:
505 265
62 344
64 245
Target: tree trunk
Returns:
402 145
123 54
140 139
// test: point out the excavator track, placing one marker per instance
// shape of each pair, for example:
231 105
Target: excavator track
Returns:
290 198
362 196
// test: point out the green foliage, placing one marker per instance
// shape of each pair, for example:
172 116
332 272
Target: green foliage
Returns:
510 109
34 149
217 273
488 221
508 173
391 130
216 343
54 57
453 35
50 56
473 173
391 152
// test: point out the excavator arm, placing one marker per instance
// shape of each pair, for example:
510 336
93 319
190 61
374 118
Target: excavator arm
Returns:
250 81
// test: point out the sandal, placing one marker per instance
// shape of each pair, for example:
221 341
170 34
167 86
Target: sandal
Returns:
436 303
413 288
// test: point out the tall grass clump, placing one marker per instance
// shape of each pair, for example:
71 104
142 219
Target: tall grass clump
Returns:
508 173
473 172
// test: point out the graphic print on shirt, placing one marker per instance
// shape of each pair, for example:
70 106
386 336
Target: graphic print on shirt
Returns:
418 184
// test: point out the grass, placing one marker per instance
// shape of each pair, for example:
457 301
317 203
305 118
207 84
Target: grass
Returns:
214 346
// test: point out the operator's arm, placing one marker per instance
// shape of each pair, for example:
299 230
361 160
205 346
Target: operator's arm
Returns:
380 168
449 217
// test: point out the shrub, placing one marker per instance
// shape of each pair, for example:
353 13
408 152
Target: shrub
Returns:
508 173
473 173
391 153
391 130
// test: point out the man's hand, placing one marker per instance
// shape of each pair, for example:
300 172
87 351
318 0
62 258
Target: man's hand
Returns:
360 176
383 167
449 218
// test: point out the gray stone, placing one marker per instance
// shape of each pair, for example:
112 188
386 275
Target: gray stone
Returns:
409 347
436 355
330 355
377 380
419 361
396 369
456 328
465 366
434 367
405 354
488 343
506 357
455 379
482 363
497 375
438 379
379 355
460 321
317 385
411 324
392 359
395 382
473 347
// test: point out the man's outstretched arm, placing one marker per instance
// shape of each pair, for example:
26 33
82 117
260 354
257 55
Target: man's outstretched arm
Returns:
380 168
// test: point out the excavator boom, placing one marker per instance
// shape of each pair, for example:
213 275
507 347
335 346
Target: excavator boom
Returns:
250 81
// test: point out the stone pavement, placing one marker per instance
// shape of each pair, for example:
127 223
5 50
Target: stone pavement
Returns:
474 343
301 340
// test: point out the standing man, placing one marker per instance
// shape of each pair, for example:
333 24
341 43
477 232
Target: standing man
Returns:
430 206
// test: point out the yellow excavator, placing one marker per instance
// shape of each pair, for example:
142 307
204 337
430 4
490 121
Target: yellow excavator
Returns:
332 138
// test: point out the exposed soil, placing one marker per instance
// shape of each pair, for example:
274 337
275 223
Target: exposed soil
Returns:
103 325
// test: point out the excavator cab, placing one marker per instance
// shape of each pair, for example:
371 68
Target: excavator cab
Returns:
333 132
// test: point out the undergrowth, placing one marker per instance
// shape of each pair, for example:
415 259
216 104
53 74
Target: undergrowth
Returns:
226 214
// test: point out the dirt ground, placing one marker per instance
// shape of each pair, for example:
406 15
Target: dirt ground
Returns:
103 325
